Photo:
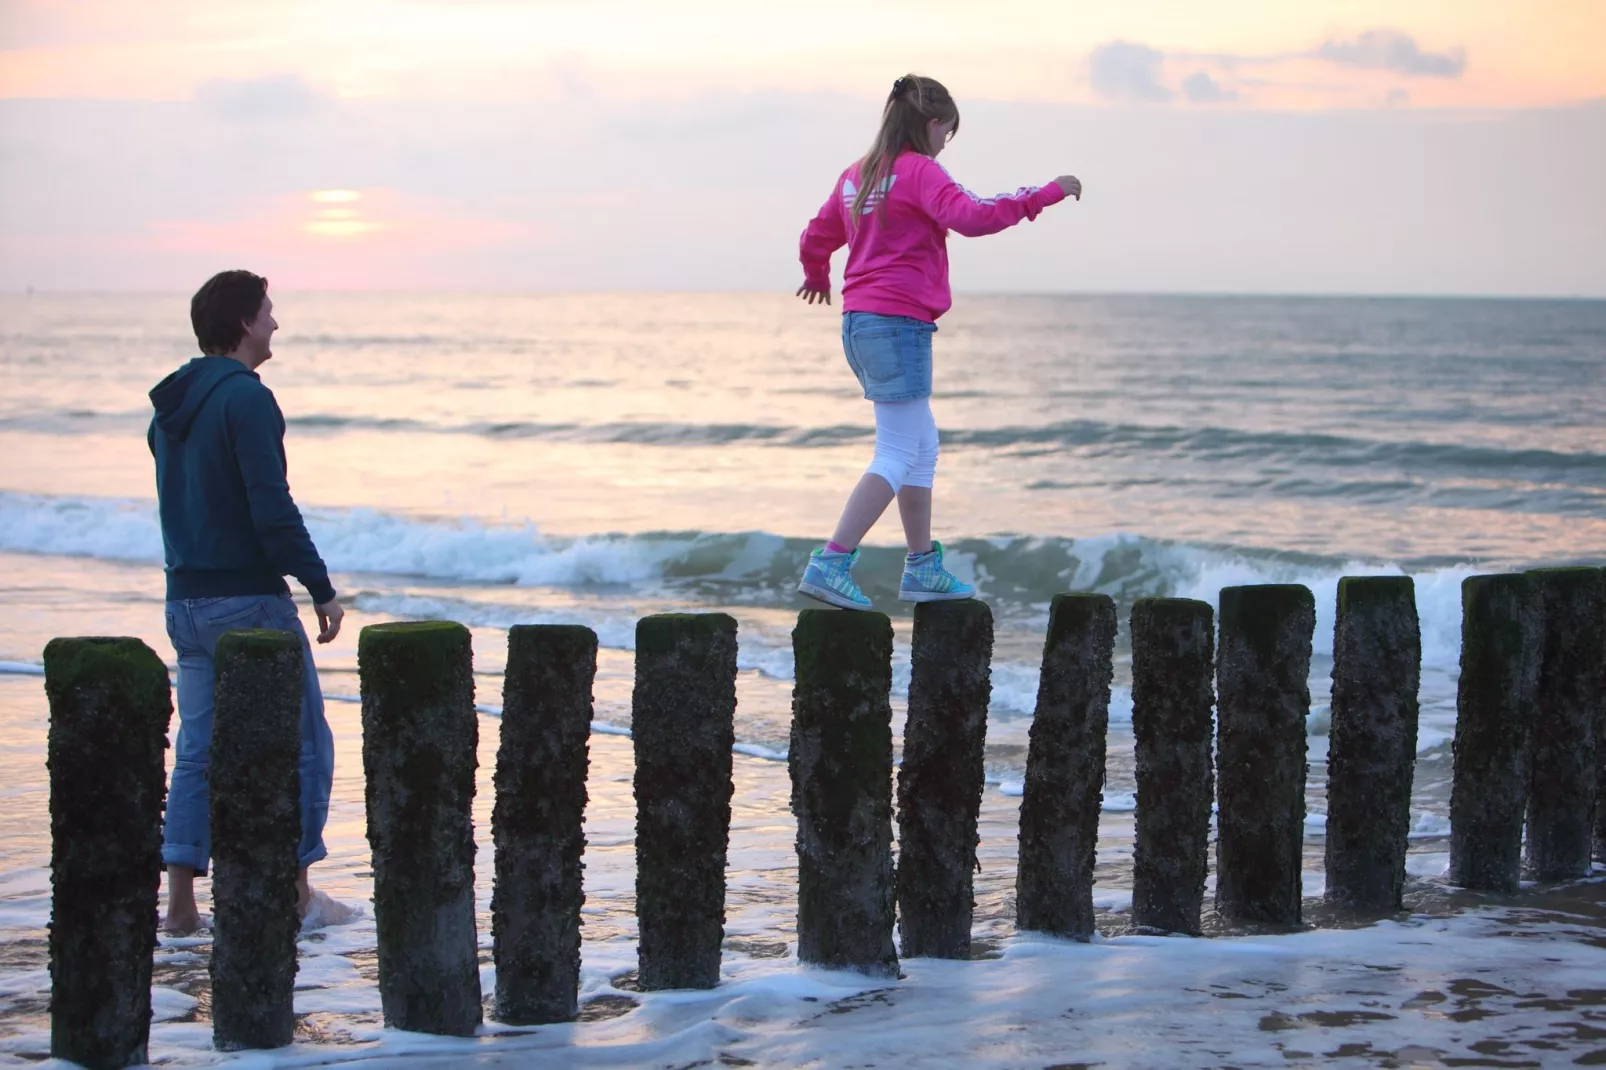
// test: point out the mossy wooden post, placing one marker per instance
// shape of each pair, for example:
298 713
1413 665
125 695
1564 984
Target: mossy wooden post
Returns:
1501 633
940 781
1371 747
256 829
109 708
841 767
1600 770
537 822
683 724
1059 813
419 735
1173 641
1572 692
1262 698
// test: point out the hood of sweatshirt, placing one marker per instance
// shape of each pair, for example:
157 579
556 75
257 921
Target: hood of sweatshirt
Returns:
178 398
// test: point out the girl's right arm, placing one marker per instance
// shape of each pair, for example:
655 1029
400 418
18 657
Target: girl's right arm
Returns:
825 234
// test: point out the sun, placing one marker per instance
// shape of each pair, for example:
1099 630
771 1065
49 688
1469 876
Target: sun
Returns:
338 214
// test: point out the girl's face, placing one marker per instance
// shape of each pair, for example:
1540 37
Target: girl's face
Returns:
937 135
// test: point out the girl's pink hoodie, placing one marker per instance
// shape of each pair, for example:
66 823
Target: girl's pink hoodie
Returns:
898 252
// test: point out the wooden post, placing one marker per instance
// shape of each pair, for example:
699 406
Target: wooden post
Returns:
109 707
1173 645
841 766
537 825
1371 748
1263 694
940 781
1572 695
1059 814
419 735
1501 635
683 725
256 830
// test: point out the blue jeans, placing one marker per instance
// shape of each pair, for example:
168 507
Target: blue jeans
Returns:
194 625
891 355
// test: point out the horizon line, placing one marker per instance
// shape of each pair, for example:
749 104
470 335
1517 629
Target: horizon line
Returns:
537 291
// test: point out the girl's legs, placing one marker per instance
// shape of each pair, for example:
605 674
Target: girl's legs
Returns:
865 506
904 465
914 509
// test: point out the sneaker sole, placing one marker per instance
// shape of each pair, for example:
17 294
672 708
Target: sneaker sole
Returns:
934 596
828 596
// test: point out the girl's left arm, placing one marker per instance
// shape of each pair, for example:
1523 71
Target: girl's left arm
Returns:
955 208
825 234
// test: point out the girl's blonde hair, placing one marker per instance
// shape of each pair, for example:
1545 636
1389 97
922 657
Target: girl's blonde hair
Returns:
913 103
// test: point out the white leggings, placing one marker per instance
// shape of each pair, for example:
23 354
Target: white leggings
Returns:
905 443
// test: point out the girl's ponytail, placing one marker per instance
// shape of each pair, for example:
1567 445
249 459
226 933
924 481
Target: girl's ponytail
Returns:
913 103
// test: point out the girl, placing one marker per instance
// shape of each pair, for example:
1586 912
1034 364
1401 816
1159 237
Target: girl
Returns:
894 209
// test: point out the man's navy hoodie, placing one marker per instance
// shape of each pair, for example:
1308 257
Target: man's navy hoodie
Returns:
229 525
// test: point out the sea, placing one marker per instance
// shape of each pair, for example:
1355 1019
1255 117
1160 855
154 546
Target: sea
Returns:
499 459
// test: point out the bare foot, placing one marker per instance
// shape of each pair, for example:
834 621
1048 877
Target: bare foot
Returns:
322 911
184 923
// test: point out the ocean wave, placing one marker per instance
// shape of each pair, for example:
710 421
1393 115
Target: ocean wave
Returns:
1094 437
1018 575
1082 437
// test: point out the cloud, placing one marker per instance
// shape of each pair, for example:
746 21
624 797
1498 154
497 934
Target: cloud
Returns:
276 96
1397 98
1122 70
1200 88
1391 50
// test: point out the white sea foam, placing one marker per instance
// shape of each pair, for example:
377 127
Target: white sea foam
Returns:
1248 1001
355 540
618 570
365 541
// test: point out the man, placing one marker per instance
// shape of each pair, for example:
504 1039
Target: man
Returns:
231 533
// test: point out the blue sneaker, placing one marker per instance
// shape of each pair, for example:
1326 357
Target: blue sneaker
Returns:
925 580
828 579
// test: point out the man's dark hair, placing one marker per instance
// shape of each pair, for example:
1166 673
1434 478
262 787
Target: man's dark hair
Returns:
220 309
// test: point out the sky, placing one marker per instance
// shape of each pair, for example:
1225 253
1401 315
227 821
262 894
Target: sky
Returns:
1407 146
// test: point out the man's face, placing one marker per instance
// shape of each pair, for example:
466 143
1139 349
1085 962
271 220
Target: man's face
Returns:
257 344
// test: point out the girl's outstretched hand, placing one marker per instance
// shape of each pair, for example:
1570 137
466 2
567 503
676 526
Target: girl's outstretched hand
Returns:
811 296
1071 185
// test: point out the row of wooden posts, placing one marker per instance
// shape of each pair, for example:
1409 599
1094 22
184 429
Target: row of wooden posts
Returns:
1530 708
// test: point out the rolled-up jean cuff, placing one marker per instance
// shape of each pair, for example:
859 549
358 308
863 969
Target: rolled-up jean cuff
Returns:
317 854
179 855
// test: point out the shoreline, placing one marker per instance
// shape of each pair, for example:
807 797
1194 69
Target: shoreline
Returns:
1468 951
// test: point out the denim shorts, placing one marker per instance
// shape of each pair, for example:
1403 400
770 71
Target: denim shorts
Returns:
891 355
195 625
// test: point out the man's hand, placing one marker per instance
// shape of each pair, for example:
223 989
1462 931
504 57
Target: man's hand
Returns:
811 296
1071 185
330 614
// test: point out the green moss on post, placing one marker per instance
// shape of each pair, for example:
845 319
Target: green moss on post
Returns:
1371 750
1501 635
419 735
841 767
1572 695
109 708
940 781
1059 814
538 822
1173 644
683 725
1263 698
256 829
